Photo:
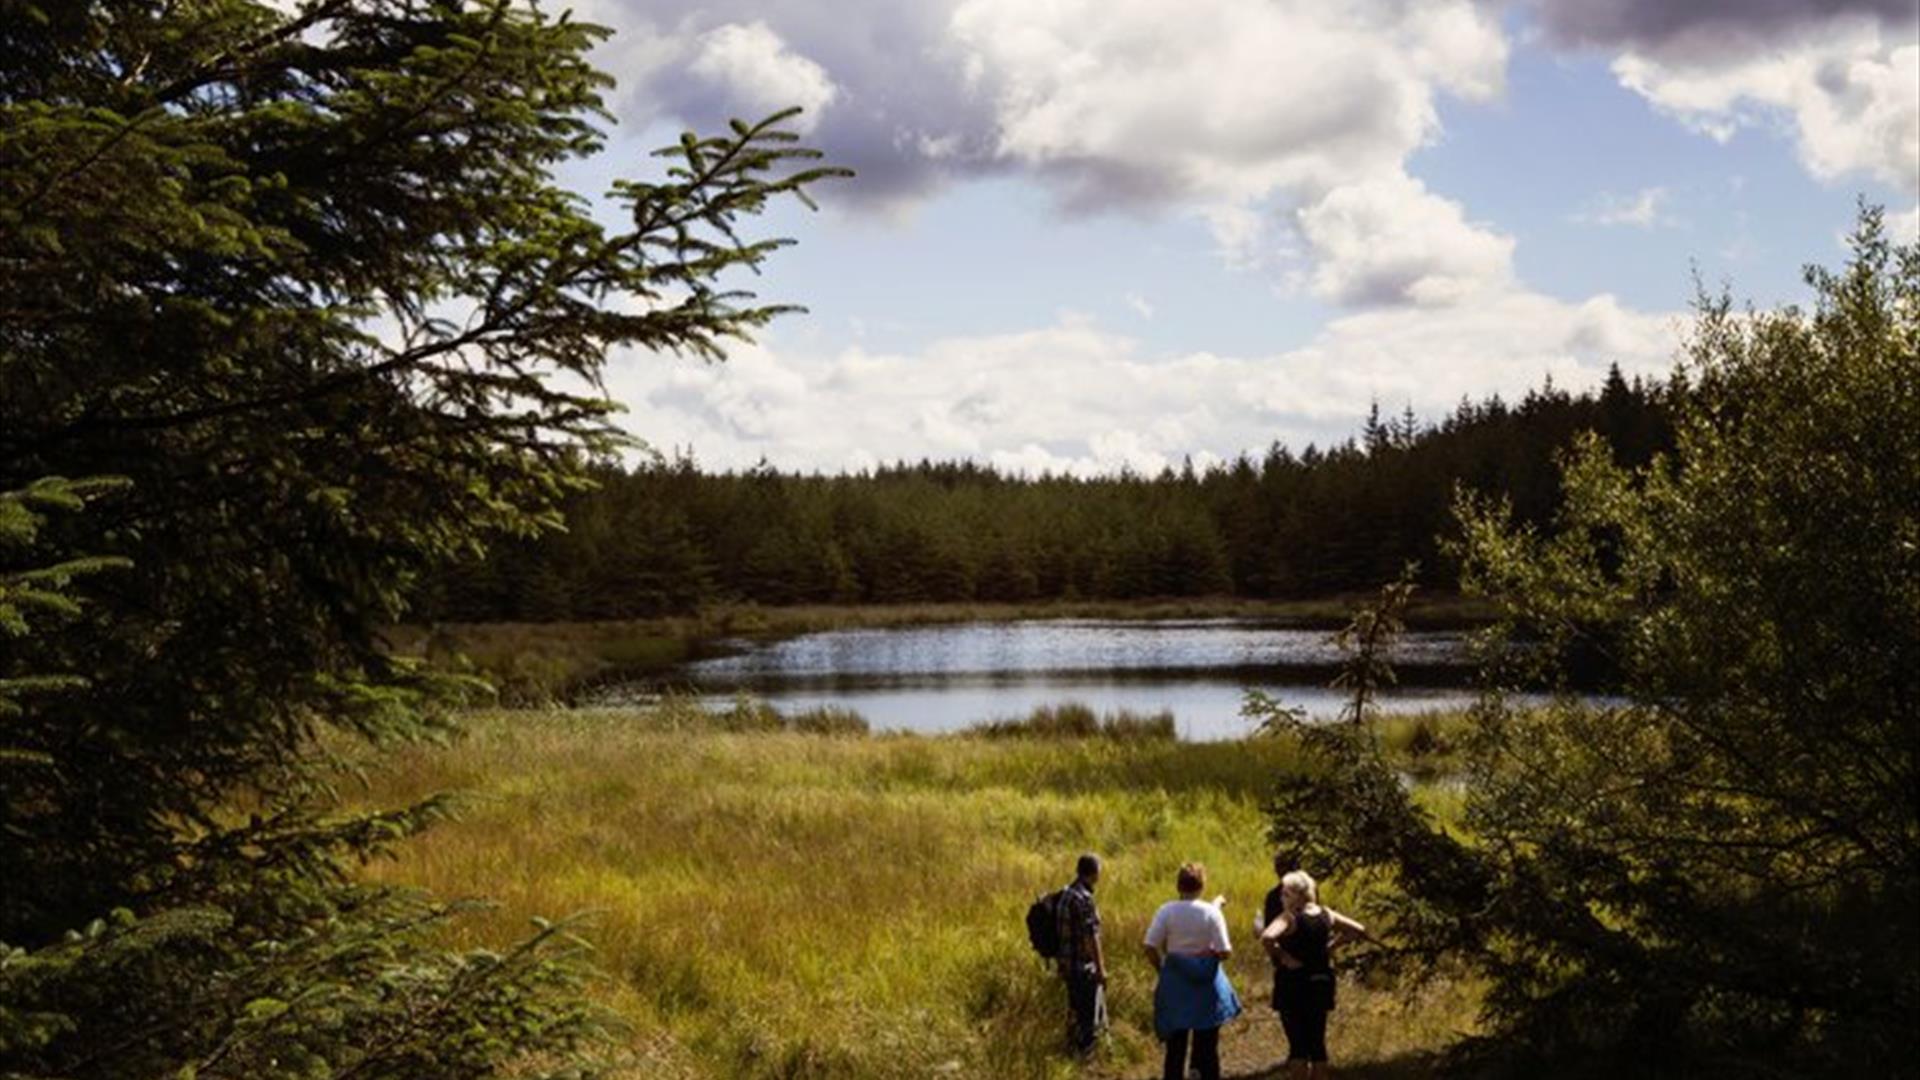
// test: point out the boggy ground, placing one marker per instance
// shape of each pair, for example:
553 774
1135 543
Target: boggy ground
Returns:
777 904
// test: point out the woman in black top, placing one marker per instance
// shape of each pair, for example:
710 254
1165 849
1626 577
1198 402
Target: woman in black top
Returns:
1301 942
1284 862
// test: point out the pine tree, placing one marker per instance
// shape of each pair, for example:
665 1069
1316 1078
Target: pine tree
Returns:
305 281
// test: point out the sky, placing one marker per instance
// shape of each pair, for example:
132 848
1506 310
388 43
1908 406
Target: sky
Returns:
1088 235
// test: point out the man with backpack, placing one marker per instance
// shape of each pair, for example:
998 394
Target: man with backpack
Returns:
1082 961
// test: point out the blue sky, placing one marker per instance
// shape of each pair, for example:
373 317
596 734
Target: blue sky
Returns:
1088 235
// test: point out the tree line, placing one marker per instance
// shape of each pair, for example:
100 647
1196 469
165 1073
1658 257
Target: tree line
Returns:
665 536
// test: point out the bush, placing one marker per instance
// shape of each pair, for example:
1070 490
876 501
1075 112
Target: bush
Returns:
1720 873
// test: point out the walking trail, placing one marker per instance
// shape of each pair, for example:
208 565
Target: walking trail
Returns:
1253 1048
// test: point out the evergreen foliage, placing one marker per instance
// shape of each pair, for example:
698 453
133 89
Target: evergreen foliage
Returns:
1717 874
665 537
300 279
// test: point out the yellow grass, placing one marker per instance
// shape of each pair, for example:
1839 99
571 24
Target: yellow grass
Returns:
789 905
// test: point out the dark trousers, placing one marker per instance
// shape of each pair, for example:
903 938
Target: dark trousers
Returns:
1206 1054
1306 1028
1088 1001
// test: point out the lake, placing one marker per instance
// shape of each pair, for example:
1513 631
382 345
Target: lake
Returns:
949 677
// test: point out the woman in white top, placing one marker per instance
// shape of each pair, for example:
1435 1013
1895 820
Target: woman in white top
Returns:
1186 942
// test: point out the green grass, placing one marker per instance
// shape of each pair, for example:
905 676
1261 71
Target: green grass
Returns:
1425 745
743 715
774 903
540 663
1074 720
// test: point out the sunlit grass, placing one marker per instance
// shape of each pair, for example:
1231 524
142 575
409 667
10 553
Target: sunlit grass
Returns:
769 903
1074 720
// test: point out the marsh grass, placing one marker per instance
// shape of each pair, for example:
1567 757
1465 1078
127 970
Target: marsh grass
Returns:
545 663
1074 720
768 903
742 715
1424 745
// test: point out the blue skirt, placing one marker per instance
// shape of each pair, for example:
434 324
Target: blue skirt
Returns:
1193 995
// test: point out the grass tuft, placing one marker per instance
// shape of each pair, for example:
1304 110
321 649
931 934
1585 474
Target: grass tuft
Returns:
1073 720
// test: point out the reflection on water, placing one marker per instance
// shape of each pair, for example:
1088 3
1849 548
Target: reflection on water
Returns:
945 678
1056 646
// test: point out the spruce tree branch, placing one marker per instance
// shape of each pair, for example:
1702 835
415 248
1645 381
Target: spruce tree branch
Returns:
107 144
213 72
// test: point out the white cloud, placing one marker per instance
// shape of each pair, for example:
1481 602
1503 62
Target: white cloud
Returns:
1849 94
1247 239
1141 305
1073 397
1238 105
1389 240
1841 78
1643 210
1119 101
760 73
1905 226
1237 111
900 113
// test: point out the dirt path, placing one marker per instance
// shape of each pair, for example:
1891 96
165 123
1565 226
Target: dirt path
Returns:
1254 1048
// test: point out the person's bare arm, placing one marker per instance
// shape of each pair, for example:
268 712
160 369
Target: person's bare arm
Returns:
1153 957
1270 937
1099 958
1345 930
1225 948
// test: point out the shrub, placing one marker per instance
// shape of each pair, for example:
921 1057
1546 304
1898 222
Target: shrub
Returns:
1721 872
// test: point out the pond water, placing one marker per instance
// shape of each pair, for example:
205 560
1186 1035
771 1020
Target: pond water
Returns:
946 678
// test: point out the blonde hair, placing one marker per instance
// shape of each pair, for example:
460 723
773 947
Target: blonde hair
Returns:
1300 883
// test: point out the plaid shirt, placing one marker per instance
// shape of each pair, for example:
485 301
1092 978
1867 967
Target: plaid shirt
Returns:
1079 928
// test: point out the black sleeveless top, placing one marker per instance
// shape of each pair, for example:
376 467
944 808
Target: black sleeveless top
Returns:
1307 942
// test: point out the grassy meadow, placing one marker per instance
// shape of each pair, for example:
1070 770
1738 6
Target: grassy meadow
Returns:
773 903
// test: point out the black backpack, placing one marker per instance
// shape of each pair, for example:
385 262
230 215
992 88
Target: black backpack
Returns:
1043 924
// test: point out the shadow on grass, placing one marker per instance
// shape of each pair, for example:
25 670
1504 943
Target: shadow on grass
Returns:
1405 1067
1253 1049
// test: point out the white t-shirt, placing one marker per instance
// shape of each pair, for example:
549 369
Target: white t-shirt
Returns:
1188 928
